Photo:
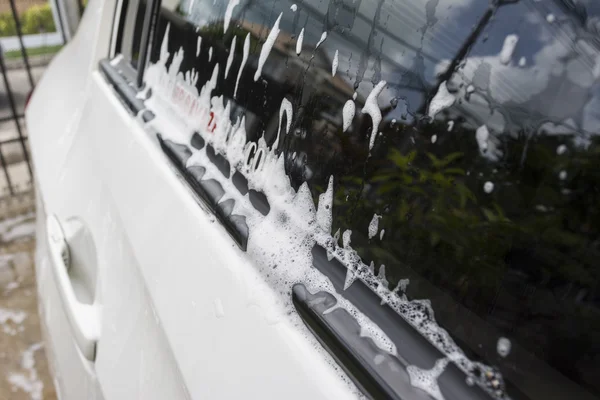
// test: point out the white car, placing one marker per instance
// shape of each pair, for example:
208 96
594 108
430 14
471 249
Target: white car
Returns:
321 200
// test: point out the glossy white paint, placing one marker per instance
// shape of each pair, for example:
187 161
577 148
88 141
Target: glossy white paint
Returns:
180 305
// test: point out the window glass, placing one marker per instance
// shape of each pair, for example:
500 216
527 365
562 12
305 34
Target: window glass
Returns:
462 141
129 35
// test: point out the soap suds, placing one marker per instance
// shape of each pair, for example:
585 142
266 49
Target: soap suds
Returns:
198 45
334 64
348 114
346 238
433 138
324 217
323 37
562 149
228 14
510 42
503 347
482 135
230 57
266 48
372 108
427 379
562 175
210 54
381 234
442 100
29 382
246 50
281 243
294 7
488 187
299 42
374 226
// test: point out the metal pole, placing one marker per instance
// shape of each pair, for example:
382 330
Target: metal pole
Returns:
58 19
20 34
11 102
5 168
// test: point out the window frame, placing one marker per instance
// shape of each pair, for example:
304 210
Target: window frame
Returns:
126 10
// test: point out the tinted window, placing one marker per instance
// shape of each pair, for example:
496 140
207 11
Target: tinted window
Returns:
129 34
462 139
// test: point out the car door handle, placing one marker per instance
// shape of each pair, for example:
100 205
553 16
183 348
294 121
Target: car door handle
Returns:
83 318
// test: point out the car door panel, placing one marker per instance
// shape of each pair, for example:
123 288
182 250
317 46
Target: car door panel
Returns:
205 291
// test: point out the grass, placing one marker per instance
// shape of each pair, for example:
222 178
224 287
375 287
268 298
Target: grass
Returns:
37 51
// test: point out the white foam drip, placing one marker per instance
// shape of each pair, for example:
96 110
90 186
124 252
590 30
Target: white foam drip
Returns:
266 47
482 135
450 125
372 108
198 45
210 54
246 50
562 175
550 18
230 57
323 37
374 226
381 234
324 217
562 149
433 138
442 100
287 109
348 114
383 284
488 187
522 61
503 347
346 238
299 42
294 7
228 13
426 379
510 42
334 63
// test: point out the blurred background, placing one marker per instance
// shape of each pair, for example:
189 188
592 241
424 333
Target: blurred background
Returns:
31 33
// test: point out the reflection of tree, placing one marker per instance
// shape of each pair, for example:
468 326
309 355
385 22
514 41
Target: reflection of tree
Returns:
534 230
466 46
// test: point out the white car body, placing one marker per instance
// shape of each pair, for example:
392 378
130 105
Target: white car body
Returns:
193 161
180 310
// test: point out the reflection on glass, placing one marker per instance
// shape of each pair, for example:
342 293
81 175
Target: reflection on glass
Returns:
484 168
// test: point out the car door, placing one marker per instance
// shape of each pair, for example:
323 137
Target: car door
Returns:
178 308
315 200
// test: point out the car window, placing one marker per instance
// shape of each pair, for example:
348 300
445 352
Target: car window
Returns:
129 33
456 142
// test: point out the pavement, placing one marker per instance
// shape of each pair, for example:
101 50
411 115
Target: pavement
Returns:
24 373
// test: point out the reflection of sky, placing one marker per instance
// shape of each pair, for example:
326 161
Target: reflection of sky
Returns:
413 41
555 82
